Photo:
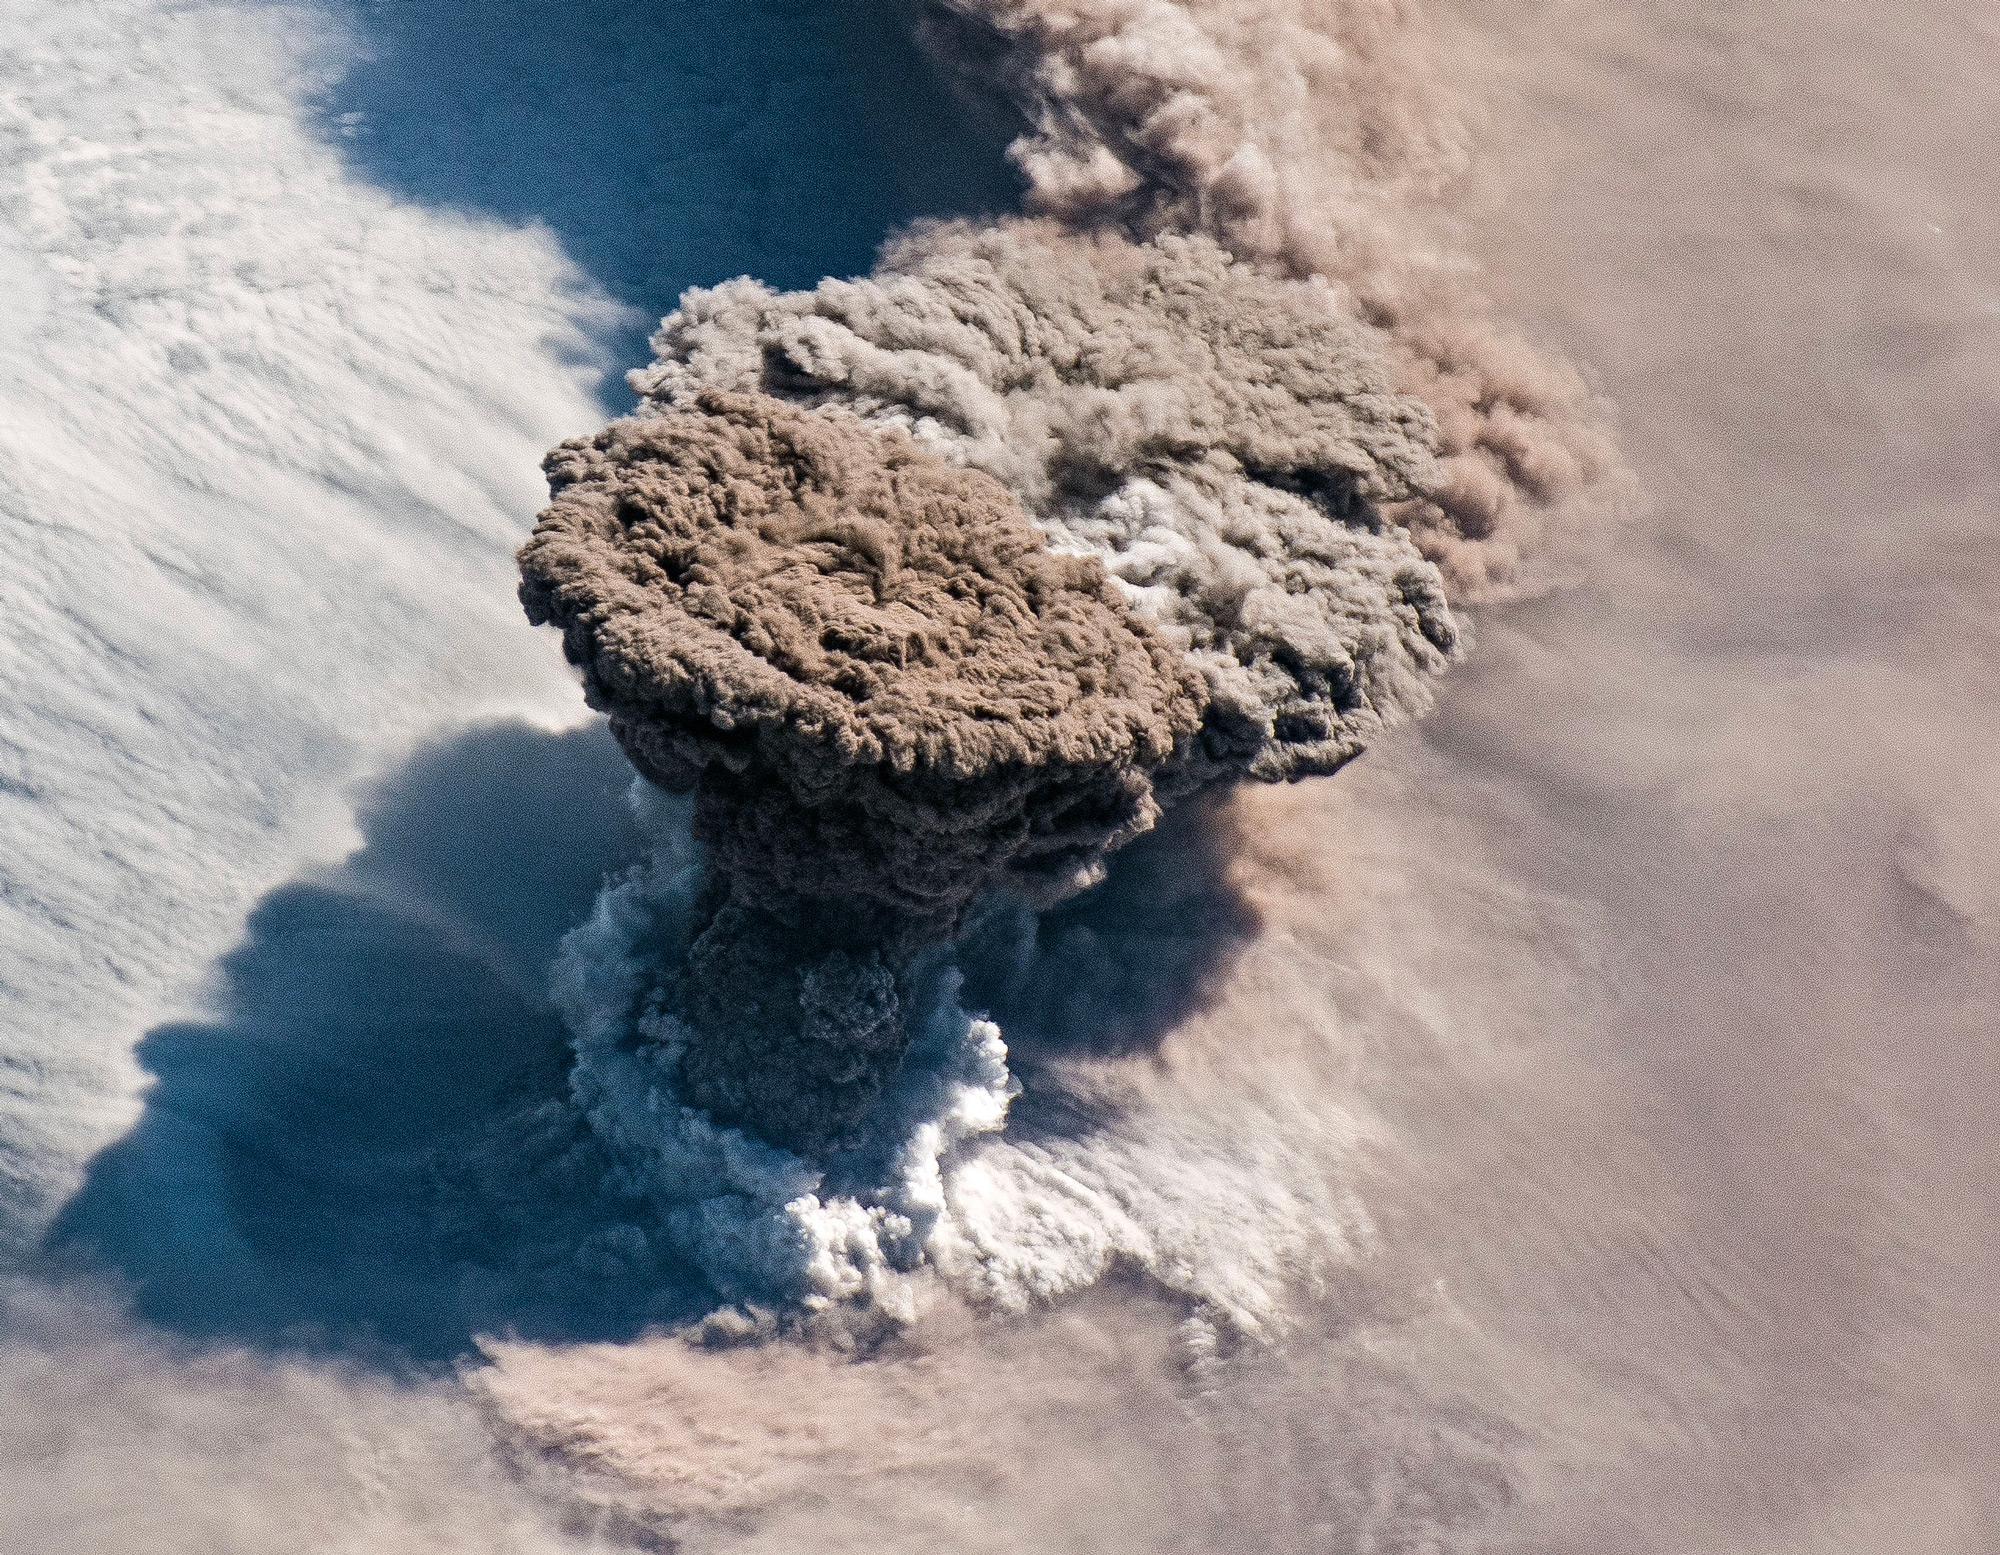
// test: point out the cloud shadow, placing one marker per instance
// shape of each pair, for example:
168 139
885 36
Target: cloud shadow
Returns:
365 1149
667 143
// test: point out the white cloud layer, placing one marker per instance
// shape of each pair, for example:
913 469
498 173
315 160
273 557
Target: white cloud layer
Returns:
267 438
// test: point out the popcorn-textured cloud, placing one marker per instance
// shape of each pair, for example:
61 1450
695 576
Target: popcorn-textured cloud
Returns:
943 581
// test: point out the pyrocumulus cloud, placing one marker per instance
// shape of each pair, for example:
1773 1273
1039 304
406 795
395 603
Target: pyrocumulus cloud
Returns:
934 587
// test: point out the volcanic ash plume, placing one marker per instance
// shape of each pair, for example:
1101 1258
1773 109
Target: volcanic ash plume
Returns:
805 583
934 587
1226 442
887 694
1306 137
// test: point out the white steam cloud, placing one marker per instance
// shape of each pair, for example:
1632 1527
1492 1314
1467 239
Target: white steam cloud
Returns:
935 1198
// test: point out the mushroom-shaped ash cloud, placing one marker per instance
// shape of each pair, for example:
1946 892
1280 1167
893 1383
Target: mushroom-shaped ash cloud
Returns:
1226 441
942 582
888 695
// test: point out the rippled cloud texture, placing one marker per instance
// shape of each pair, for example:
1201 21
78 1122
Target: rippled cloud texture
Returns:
1569 1128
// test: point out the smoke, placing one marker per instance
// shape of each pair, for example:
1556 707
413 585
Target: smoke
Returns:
1592 1093
935 587
1153 1275
805 582
1309 137
938 1195
1225 441
887 694
775 603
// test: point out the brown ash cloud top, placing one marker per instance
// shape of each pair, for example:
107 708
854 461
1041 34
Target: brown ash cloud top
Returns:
754 577
889 690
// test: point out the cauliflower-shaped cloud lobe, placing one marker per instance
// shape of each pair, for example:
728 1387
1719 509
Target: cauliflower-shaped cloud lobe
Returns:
1224 440
887 693
943 581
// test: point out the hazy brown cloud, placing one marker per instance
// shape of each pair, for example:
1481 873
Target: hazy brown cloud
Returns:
1309 136
1225 440
887 694
942 581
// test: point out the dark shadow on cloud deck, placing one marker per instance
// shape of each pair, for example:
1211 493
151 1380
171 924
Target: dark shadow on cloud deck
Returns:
366 1149
1110 973
668 143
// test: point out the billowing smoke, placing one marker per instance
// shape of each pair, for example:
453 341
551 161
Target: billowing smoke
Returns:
805 584
934 587
1225 441
1592 1095
887 694
1303 136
